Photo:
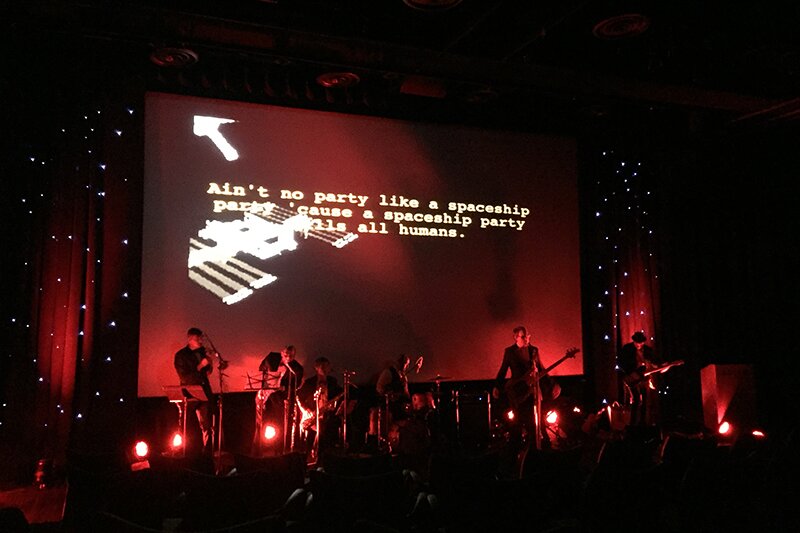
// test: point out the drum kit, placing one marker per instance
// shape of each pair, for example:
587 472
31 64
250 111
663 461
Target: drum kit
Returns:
461 417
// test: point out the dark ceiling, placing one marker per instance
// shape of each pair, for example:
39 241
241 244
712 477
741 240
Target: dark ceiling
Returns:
488 58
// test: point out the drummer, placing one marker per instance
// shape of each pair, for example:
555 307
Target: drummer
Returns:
393 386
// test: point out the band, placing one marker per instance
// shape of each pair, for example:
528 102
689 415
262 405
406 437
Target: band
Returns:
295 412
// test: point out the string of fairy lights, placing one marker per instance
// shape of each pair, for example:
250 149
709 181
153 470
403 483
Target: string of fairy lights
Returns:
626 276
69 151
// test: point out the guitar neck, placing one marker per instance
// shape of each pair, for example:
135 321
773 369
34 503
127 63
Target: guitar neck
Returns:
568 355
662 368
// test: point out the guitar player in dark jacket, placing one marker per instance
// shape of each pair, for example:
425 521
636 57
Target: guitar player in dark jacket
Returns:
633 360
323 390
520 358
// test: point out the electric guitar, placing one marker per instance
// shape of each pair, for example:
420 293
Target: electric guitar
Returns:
308 419
520 388
635 378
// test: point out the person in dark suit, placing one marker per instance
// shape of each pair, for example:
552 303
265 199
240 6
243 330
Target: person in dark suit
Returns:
321 392
193 365
290 383
519 359
641 391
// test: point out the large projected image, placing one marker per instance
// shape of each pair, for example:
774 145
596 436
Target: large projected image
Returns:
353 238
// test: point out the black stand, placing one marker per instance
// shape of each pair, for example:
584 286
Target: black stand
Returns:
346 378
290 412
180 395
222 364
537 407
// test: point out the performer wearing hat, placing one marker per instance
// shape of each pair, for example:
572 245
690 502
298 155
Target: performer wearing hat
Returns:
634 360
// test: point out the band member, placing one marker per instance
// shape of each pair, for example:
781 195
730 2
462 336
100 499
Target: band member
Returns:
641 391
393 384
291 381
520 359
320 396
269 401
193 365
392 389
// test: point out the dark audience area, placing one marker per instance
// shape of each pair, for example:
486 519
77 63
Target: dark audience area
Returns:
612 481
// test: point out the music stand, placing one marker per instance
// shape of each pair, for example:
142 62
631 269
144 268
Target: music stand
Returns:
180 395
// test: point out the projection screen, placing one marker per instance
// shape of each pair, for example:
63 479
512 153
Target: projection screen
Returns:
352 237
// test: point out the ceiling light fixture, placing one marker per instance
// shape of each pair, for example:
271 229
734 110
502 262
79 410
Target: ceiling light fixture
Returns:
338 79
621 26
432 5
173 57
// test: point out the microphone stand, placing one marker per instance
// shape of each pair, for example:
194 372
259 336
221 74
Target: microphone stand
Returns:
221 365
289 408
537 406
315 448
346 379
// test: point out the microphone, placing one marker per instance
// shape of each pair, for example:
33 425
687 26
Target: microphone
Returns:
418 365
287 367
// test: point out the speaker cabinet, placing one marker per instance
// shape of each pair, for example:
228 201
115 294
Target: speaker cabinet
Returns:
729 394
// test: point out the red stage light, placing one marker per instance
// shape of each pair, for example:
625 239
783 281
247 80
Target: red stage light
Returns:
725 428
510 415
141 450
177 440
759 434
270 432
551 417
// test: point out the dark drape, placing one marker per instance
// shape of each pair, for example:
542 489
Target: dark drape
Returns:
620 267
76 164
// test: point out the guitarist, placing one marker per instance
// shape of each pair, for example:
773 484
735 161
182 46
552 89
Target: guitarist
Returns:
634 360
321 390
519 358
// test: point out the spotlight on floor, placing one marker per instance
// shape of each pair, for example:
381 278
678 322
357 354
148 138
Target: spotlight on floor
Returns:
141 450
139 456
270 432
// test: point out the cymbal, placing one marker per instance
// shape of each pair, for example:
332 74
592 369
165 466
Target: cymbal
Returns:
440 378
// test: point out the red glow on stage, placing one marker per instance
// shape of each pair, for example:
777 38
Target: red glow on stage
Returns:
759 434
141 450
270 432
551 417
725 428
510 415
177 440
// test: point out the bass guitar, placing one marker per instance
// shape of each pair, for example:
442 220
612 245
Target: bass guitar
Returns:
520 388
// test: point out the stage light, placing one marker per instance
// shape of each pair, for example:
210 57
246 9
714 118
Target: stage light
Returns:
551 417
757 433
510 414
725 428
177 440
141 450
137 456
270 432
